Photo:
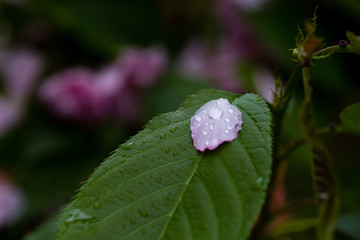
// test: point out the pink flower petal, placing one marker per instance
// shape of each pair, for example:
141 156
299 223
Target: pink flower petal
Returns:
143 67
214 123
10 114
11 201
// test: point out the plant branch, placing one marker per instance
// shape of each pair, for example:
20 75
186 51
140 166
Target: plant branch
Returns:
326 186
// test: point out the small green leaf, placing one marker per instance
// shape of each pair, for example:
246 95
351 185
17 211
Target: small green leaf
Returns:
156 187
354 45
350 118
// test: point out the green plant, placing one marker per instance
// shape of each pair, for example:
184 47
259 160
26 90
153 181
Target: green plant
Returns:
158 186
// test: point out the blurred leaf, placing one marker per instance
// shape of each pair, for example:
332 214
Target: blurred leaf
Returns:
103 25
354 46
157 186
349 224
350 118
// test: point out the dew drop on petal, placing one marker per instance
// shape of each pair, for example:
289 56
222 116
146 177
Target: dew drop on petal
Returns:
198 118
205 132
227 131
215 113
230 110
211 127
227 120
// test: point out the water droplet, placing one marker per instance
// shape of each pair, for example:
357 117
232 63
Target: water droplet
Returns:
175 153
207 142
230 110
122 170
198 118
230 127
215 141
96 205
78 215
159 180
215 113
227 120
205 132
211 127
162 136
132 221
173 129
206 124
204 111
257 184
129 146
144 213
227 131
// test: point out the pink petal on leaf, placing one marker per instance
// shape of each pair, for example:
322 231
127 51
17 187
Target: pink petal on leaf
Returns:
214 123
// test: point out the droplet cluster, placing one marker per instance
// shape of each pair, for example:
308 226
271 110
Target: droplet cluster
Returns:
214 123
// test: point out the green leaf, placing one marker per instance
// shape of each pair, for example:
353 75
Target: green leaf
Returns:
350 118
45 231
354 45
157 186
349 224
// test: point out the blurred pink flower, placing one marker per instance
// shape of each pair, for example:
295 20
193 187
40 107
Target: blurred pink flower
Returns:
19 69
11 201
9 115
72 94
142 67
238 36
193 61
115 90
219 65
264 82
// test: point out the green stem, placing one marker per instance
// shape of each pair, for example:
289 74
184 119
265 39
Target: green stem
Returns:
326 186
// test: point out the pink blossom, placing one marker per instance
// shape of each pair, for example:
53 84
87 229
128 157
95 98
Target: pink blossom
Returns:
11 202
238 37
194 60
214 123
143 66
219 65
115 90
9 115
19 69
71 94
265 84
